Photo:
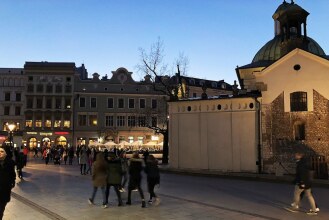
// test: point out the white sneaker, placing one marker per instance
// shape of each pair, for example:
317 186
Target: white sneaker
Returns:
90 202
294 205
104 206
317 210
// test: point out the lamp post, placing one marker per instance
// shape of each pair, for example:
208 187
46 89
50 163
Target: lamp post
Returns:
11 128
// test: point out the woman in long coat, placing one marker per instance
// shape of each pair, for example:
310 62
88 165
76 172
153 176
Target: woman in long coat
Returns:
83 160
7 179
99 178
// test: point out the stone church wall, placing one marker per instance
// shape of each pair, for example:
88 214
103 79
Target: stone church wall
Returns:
278 140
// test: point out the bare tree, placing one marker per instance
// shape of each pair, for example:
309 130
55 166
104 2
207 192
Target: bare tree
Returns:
165 80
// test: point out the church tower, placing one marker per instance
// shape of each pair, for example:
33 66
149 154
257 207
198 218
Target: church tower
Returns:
290 25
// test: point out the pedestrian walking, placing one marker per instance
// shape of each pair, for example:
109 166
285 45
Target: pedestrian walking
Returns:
136 166
99 178
124 166
71 155
65 156
83 158
7 179
46 155
114 176
153 178
303 183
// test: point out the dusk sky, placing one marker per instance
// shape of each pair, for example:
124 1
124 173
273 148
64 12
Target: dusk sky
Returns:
216 35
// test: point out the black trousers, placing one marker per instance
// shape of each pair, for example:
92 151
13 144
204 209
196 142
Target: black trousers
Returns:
2 209
116 189
84 166
131 187
151 184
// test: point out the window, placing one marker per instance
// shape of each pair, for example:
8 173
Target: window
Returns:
92 120
67 103
131 121
58 88
30 78
68 89
121 121
110 103
141 121
58 103
6 110
299 131
154 121
68 79
82 102
29 103
154 103
39 102
121 103
93 102
194 95
82 120
67 121
48 121
18 97
28 123
142 103
109 121
38 121
40 88
298 101
49 88
48 103
30 88
17 110
57 121
7 96
131 103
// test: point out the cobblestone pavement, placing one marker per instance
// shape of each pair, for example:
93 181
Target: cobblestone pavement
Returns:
60 192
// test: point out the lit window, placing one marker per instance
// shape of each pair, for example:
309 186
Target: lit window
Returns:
67 123
92 120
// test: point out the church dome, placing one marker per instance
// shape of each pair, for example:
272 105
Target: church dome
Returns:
271 51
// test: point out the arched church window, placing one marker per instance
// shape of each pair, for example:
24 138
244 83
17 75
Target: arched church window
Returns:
299 131
298 101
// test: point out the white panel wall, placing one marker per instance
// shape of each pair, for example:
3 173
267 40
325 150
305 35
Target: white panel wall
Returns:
208 137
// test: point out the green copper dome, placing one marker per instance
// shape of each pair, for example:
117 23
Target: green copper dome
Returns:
271 50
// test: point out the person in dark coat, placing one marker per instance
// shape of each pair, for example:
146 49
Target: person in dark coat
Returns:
136 166
114 176
303 183
153 178
71 155
7 179
99 178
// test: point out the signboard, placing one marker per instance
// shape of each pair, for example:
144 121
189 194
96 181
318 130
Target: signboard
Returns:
61 132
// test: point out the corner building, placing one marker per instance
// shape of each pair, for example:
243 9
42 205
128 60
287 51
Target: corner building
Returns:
48 111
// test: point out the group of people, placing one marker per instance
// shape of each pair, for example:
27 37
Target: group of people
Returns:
113 171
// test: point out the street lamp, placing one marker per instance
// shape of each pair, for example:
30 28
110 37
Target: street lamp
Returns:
11 128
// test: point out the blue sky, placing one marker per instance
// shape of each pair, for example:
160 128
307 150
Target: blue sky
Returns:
216 35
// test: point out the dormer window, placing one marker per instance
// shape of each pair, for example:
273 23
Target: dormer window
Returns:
223 86
214 84
192 82
201 82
